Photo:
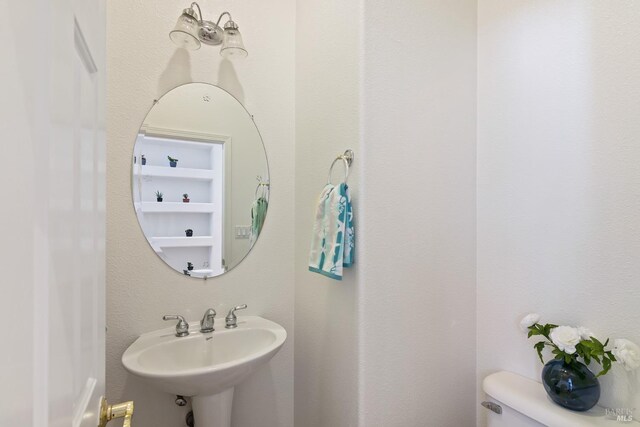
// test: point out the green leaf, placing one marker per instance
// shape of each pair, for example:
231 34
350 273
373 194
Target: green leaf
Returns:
539 346
533 332
606 366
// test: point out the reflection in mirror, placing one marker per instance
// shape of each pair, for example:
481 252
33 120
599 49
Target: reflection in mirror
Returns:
200 180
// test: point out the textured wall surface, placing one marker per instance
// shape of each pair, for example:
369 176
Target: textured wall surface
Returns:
388 345
554 89
142 65
558 178
417 324
327 123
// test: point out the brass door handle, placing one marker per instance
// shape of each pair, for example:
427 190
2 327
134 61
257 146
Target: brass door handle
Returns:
120 410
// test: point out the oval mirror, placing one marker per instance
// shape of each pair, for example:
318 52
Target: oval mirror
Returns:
200 180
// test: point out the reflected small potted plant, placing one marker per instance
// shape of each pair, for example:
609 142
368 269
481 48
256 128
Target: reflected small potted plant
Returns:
143 160
172 162
189 232
159 196
185 198
189 266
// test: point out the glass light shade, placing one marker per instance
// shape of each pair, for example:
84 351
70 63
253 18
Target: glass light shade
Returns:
185 33
232 46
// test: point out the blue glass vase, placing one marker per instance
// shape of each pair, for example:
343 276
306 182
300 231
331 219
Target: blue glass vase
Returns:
572 386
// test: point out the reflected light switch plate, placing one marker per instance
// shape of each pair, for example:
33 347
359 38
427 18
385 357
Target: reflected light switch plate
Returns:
243 231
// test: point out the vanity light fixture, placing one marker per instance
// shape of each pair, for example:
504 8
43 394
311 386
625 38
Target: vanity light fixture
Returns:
192 30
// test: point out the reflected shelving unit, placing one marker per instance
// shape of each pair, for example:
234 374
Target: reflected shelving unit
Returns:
173 207
199 173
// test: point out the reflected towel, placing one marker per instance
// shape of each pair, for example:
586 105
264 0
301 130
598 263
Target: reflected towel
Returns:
258 215
333 239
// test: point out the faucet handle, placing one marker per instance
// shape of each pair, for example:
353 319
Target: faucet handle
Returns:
208 320
231 321
182 328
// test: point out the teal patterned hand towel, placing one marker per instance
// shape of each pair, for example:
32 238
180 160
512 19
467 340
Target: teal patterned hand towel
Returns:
333 242
349 236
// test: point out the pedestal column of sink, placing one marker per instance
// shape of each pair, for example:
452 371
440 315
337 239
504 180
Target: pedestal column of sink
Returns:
213 410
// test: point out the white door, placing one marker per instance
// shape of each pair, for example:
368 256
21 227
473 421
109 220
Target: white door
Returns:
52 80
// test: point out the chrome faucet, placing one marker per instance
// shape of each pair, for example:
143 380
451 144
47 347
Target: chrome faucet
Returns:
231 321
182 328
209 318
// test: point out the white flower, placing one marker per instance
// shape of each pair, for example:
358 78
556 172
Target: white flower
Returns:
585 333
626 353
566 338
529 320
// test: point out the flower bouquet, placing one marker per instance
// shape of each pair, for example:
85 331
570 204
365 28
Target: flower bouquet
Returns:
567 380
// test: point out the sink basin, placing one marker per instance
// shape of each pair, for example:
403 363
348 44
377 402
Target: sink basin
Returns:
205 366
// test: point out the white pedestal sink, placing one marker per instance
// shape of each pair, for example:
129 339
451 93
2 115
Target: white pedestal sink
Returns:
205 366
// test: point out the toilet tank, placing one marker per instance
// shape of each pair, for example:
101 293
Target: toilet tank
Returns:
524 403
508 418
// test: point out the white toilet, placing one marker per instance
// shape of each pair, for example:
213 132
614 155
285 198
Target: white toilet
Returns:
515 401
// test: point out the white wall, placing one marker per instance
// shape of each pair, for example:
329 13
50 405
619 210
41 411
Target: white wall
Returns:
558 177
24 222
396 82
142 65
417 251
327 123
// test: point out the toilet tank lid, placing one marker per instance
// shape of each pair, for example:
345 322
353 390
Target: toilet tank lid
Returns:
528 397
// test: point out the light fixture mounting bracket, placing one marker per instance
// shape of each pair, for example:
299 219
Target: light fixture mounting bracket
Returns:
210 33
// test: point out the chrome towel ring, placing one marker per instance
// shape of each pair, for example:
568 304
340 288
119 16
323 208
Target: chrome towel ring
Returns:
262 185
347 159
